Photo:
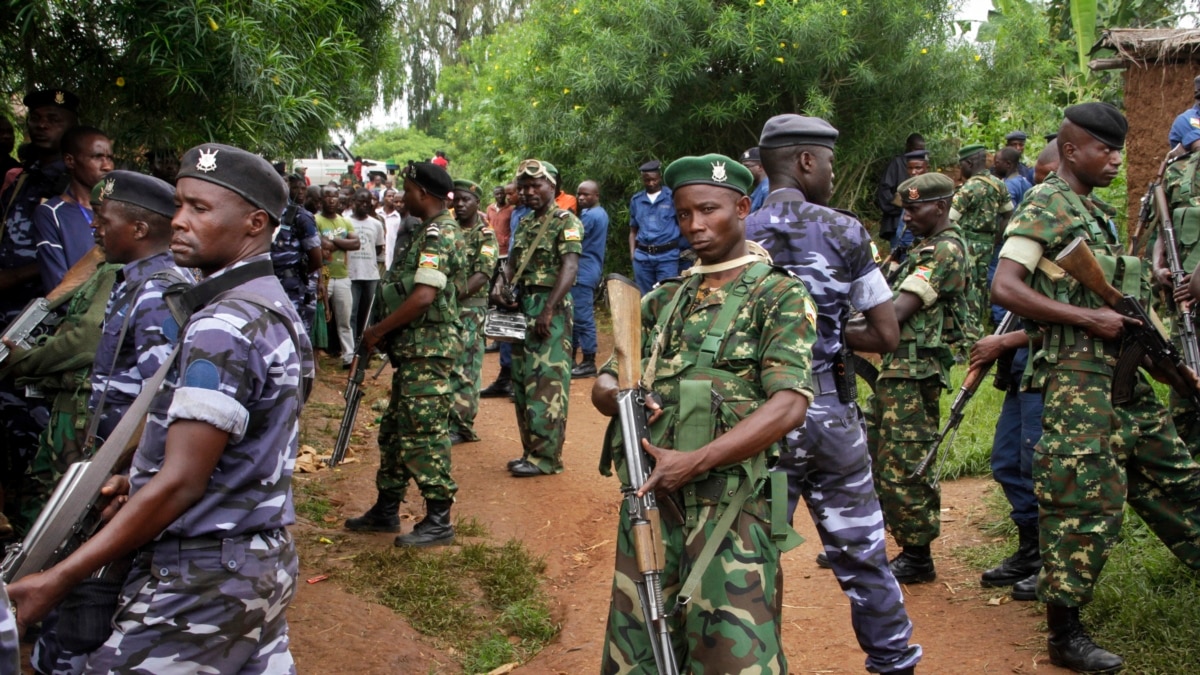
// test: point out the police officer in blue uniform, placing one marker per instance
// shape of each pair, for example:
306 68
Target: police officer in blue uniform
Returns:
654 239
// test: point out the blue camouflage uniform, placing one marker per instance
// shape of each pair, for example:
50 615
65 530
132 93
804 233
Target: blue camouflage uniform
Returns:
829 464
656 251
591 267
136 307
296 236
63 232
209 595
10 645
21 418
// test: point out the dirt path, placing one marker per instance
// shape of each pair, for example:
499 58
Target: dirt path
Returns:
570 519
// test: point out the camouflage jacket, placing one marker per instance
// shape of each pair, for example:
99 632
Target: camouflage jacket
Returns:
1183 200
437 259
480 251
564 234
977 203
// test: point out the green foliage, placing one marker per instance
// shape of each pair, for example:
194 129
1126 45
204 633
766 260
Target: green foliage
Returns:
599 86
269 75
397 144
1083 20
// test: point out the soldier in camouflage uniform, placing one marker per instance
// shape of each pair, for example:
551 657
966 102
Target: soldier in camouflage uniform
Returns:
422 334
981 208
1093 456
51 114
1183 199
210 485
480 250
296 250
542 265
756 325
931 305
827 462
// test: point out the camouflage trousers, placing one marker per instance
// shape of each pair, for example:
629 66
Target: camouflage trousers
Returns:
980 249
414 442
732 624
828 466
59 445
541 375
468 371
208 610
1183 411
10 645
1091 459
906 418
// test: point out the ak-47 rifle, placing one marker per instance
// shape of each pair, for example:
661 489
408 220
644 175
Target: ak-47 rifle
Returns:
353 396
1187 326
19 331
975 375
1146 211
1138 342
644 518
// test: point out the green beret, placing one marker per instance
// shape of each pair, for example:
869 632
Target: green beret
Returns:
468 186
970 150
1102 120
928 187
710 169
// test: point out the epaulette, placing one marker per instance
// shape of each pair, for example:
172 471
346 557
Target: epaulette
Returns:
562 213
785 270
846 212
433 231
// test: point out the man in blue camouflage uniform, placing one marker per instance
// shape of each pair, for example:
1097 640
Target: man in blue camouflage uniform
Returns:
421 331
51 114
828 463
210 486
296 250
654 239
1185 130
10 643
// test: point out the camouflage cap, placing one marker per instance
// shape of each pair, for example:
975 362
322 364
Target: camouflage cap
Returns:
709 169
968 151
243 173
928 187
138 189
464 185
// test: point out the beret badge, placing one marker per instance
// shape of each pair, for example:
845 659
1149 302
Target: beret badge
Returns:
106 191
208 161
718 172
913 193
59 98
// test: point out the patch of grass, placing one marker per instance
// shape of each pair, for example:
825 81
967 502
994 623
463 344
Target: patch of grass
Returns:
1147 603
311 501
482 599
469 527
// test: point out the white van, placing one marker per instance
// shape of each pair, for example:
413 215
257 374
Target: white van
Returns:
330 162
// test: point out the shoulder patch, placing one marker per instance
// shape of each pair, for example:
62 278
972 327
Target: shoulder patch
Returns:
875 252
202 374
923 273
487 249
429 261
572 233
810 312
433 231
562 213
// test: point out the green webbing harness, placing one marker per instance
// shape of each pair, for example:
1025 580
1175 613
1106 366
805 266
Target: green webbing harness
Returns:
1186 219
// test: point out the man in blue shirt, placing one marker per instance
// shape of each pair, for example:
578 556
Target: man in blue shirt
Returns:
1016 141
1186 127
1006 167
654 239
762 185
591 266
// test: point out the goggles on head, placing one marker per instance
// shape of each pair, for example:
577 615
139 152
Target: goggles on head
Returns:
536 169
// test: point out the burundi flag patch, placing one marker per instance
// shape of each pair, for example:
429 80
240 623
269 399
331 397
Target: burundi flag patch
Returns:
572 233
487 249
875 252
810 312
1195 122
429 261
923 273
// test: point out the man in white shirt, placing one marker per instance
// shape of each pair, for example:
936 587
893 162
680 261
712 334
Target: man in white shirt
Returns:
363 264
389 214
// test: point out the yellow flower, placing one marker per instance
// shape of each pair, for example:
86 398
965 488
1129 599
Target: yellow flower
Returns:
844 12
575 11
489 87
760 3
316 101
566 90
924 51
779 59
275 79
120 82
977 57
212 23
535 104
537 69
783 45
579 107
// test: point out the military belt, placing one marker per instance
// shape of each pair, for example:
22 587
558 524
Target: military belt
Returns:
711 489
536 287
654 250
473 302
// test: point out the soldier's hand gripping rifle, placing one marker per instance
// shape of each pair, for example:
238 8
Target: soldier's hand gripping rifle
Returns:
1187 326
1139 343
626 303
353 396
975 375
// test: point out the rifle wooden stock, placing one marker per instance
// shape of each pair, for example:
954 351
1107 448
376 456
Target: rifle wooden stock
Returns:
80 272
1078 261
625 301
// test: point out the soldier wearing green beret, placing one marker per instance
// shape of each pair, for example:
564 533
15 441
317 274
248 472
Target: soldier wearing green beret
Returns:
736 330
981 208
480 251
931 306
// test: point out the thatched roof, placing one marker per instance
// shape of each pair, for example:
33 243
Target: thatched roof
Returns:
1152 45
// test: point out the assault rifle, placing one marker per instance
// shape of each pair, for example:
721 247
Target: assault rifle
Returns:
644 518
22 328
353 396
1138 342
1187 326
1145 212
970 385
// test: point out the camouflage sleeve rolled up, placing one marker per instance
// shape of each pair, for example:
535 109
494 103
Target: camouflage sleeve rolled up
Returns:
439 260
938 269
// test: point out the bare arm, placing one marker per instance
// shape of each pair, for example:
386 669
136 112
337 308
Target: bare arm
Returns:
877 332
474 283
1010 291
562 285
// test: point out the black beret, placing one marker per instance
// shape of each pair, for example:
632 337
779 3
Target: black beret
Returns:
138 189
244 173
1016 136
751 155
464 185
928 187
652 165
1051 136
916 154
55 97
711 169
784 130
1102 120
431 177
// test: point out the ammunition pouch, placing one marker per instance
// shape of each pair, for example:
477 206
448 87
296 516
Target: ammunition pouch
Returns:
1187 234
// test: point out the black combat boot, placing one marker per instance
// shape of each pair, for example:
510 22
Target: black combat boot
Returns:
914 565
382 517
1025 561
1026 589
501 387
586 367
434 529
1070 647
